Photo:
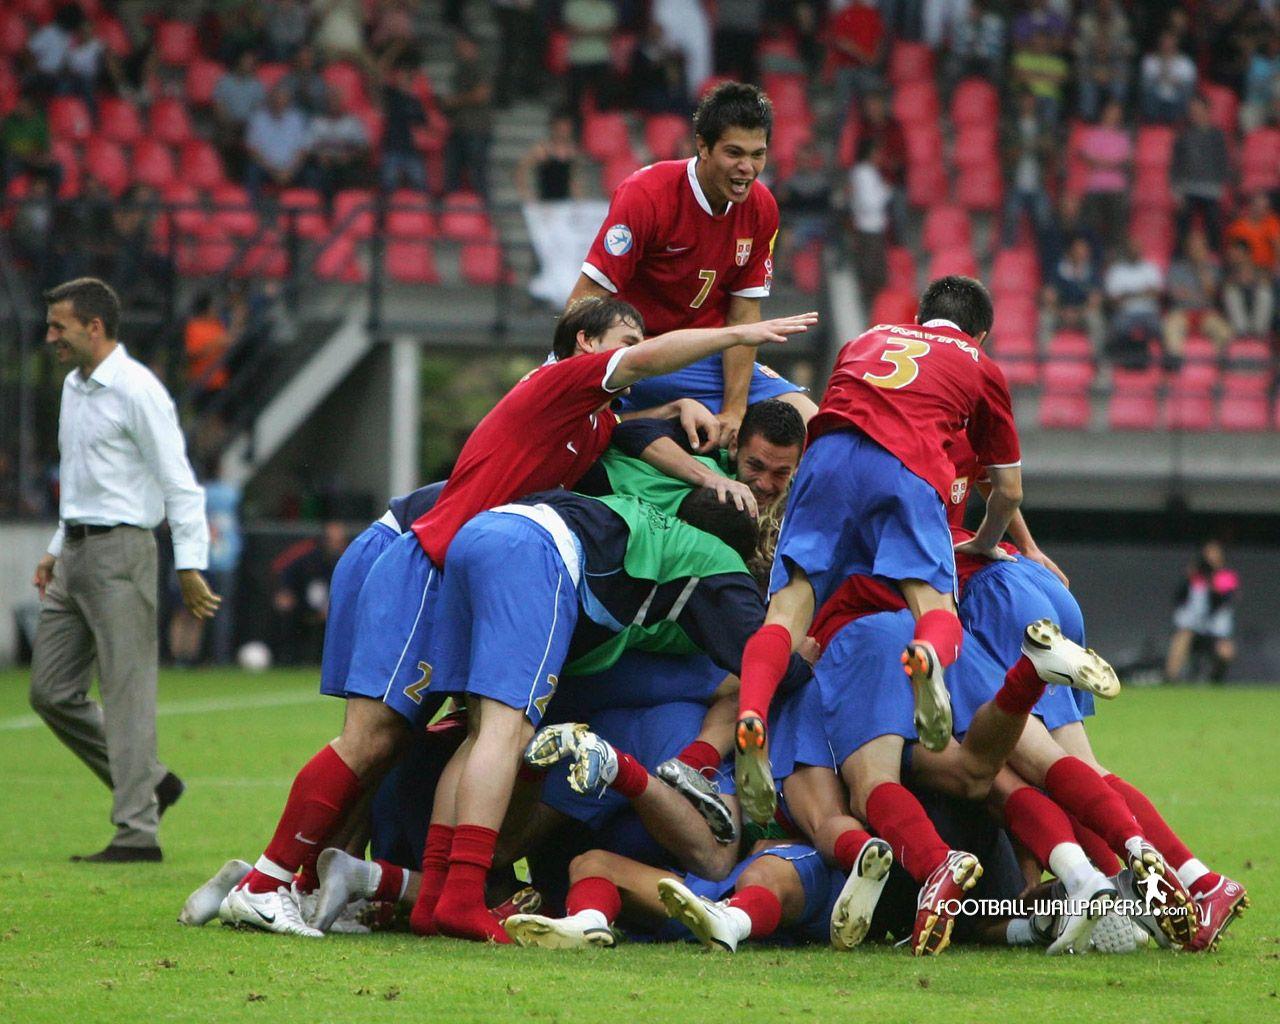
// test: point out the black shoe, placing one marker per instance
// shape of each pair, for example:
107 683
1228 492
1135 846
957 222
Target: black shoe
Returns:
112 854
169 791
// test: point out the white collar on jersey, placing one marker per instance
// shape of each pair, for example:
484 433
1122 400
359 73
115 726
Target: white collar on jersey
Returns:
696 185
939 322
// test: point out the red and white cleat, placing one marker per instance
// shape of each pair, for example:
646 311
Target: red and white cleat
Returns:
936 907
1215 910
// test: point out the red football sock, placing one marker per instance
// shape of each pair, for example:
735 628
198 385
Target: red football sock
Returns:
1077 788
435 866
897 816
633 777
942 629
392 883
1037 822
762 906
594 893
1162 837
701 756
321 794
764 663
848 845
1095 847
461 911
1022 688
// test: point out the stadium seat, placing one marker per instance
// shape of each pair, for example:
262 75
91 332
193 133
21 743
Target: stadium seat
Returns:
953 261
1260 161
618 170
409 216
38 12
1065 410
205 257
1154 147
1133 403
69 118
347 81
176 43
1068 375
481 263
1248 352
1246 382
1189 411
894 306
1151 189
980 187
622 49
169 123
1016 272
976 145
946 227
339 261
190 216
1194 377
200 164
106 160
9 88
1016 316
13 34
806 269
901 263
464 219
1224 106
305 213
605 136
847 144
266 257
233 211
975 102
118 120
203 76
927 183
1020 371
789 94
1070 345
153 164
270 73
924 145
1199 349
113 35
665 134
353 214
910 62
916 102
1244 413
411 262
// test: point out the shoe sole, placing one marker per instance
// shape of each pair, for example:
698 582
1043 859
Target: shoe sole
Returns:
1173 926
541 932
325 915
714 811
936 935
752 773
551 750
932 702
1089 670
854 907
1075 938
1238 910
690 911
193 914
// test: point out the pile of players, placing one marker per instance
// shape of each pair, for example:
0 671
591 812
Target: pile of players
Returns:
670 750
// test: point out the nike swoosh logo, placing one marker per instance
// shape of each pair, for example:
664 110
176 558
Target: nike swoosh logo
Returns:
269 920
569 445
679 248
1206 916
303 839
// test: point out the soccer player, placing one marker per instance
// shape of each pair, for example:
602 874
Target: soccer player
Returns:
543 433
870 499
690 244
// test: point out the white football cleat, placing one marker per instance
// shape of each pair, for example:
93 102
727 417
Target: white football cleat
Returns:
933 704
851 915
343 878
1090 903
202 905
595 765
1063 662
1117 933
270 911
351 920
553 743
715 925
587 928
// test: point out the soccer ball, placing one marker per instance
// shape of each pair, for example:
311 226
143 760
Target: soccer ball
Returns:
255 656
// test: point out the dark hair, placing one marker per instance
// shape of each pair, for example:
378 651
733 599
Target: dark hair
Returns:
962 300
778 422
593 315
703 509
90 299
732 105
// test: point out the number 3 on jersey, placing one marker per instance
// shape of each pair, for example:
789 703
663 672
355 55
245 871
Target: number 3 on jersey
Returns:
708 281
902 353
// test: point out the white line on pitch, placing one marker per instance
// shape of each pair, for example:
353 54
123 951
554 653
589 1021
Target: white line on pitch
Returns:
202 706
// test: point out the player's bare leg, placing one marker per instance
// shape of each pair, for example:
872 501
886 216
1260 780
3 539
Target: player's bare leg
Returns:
1179 651
935 645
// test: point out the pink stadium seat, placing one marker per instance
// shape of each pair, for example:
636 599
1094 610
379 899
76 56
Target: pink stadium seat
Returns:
1189 411
947 227
1016 272
190 217
169 122
113 36
265 258
617 170
894 306
409 216
306 213
69 118
901 263
976 145
353 214
13 33
1068 375
176 43
233 211
153 164
1070 345
806 269
916 102
1249 351
1199 349
205 257
975 102
980 187
1194 377
605 136
347 81
927 183
270 73
1016 316
1133 400
118 120
464 218
953 261
1065 410
1260 160
1020 371
1244 413
203 76
664 134
789 95
1010 346
1151 189
340 262
1224 106
200 164
1246 382
481 264
910 62
106 161
411 262
1154 146
924 145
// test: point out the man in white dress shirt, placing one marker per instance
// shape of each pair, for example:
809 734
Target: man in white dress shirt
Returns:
124 468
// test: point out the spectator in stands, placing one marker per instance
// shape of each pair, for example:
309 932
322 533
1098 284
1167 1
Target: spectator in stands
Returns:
686 28
205 342
1073 295
339 32
24 143
310 90
241 29
1261 80
237 97
49 47
551 170
856 35
878 123
589 24
941 19
1200 172
804 199
301 598
1040 19
870 196
521 41
1259 228
131 262
391 32
657 75
1168 80
1028 147
1134 286
1204 619
339 146
287 24
977 44
1107 151
402 112
31 232
276 142
1248 295
1193 287
738 26
1040 67
1103 50
470 110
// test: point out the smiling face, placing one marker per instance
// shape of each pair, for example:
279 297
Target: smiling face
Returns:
766 468
72 340
727 170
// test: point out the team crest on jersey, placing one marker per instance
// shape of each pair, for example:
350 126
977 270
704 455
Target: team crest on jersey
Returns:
617 240
743 252
959 488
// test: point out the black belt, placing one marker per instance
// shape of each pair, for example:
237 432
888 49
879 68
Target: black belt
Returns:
77 531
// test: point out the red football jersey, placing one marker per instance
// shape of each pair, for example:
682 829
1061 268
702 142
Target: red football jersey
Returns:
543 434
854 598
664 250
912 390
967 565
969 472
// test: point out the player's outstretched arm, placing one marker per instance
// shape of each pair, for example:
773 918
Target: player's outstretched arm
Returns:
677 349
1002 503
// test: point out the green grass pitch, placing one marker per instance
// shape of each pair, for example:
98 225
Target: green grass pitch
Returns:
81 943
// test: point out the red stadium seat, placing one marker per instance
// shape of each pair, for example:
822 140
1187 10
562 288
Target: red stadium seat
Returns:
1249 352
1133 400
113 35
980 188
618 170
1065 410
1224 106
339 261
353 213
118 120
153 164
1190 411
9 88
975 102
265 258
605 136
1070 345
927 183
205 257
176 43
953 261
947 227
66 154
106 161
1194 377
1244 413
481 264
411 262
347 81
169 122
1020 371
894 306
13 34
1199 349
1260 161
271 73
847 144
305 213
1016 272
916 103
1151 189
924 145
556 57
69 118
409 216
39 12
464 219
976 145
666 134
1012 345
1068 375
806 269
1246 382
901 263
190 217
1154 146
203 76
200 164
233 211
910 62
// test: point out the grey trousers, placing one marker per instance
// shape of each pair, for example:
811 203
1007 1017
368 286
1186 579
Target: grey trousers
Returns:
101 607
